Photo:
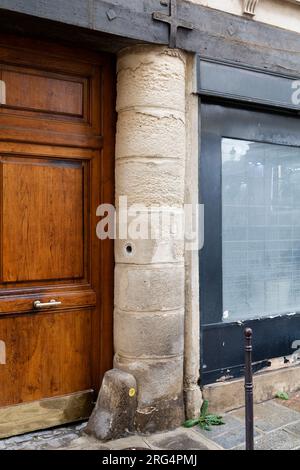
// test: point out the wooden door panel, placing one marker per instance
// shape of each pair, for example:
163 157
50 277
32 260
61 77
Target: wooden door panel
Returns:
47 354
42 218
13 301
51 97
21 300
56 167
44 92
46 235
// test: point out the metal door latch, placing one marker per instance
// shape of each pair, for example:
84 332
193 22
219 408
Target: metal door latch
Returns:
37 304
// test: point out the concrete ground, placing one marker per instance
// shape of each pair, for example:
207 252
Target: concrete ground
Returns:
277 426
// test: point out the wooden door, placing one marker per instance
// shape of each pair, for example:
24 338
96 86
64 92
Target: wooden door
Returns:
56 167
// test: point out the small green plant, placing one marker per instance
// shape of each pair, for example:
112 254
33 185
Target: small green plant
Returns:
205 420
282 395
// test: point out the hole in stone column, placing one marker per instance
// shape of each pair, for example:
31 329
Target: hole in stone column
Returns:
128 249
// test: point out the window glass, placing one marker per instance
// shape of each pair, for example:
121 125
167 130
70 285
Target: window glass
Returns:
260 229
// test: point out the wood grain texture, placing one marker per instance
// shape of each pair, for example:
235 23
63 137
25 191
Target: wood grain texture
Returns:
42 414
42 219
47 354
56 167
21 300
43 92
52 95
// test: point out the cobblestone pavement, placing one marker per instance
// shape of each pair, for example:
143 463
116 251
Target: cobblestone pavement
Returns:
277 426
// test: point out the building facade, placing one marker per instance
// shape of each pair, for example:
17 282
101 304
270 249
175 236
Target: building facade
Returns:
163 105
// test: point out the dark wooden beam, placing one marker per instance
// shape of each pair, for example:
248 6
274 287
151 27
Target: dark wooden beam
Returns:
216 34
15 23
130 18
223 36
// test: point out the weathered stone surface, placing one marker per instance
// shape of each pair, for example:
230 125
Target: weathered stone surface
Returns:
294 428
156 378
149 334
149 288
277 440
231 425
58 442
149 251
50 439
149 280
269 416
229 435
159 381
230 395
293 402
147 134
192 393
163 414
151 182
151 77
72 437
113 415
233 438
145 235
178 441
62 439
129 443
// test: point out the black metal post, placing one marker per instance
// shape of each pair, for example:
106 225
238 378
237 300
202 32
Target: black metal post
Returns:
249 417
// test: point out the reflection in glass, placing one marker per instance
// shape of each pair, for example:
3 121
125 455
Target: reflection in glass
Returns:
260 229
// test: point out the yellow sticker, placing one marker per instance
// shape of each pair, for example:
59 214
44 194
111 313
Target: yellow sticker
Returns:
131 392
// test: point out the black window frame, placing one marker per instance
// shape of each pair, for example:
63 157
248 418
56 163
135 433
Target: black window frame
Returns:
222 342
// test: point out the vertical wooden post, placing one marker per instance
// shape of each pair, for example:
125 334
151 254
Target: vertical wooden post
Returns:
249 418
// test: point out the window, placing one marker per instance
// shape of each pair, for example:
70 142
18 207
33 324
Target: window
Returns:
260 229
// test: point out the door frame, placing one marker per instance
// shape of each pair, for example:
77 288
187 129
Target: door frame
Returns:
107 183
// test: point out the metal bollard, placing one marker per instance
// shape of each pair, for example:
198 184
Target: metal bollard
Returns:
249 417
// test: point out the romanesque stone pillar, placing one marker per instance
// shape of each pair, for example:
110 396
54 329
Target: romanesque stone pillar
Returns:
149 275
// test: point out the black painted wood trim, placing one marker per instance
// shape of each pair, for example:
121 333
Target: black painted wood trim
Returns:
246 84
131 19
221 344
216 35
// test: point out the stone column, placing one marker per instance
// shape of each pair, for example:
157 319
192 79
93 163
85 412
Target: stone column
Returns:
149 275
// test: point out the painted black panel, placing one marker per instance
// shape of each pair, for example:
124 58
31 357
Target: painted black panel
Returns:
223 351
222 343
244 84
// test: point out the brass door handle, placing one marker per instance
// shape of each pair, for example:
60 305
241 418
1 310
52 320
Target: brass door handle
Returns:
38 305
